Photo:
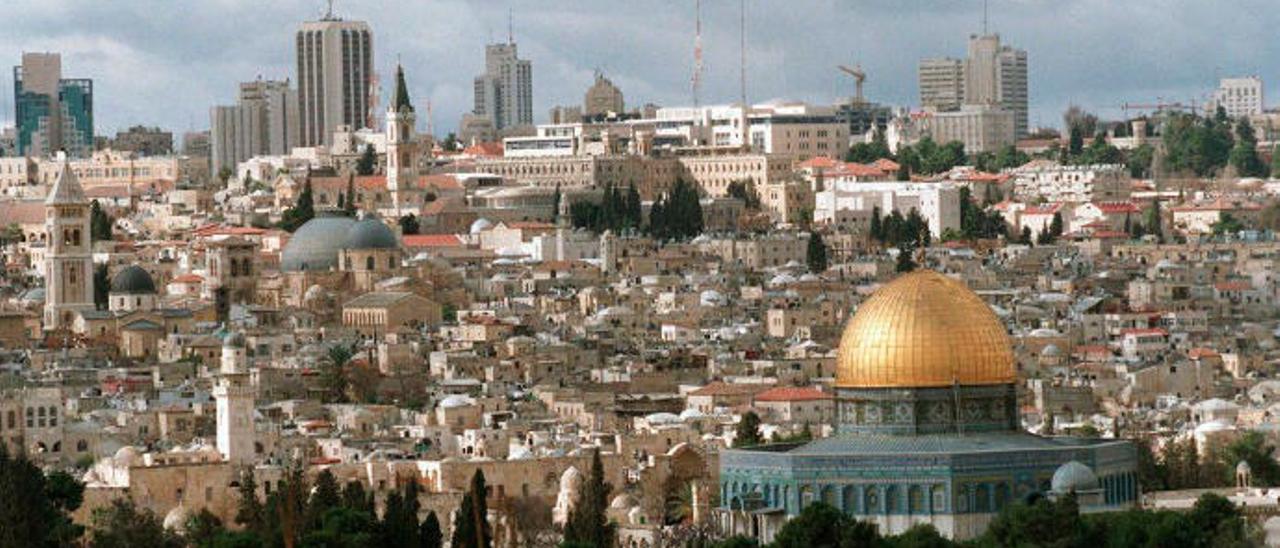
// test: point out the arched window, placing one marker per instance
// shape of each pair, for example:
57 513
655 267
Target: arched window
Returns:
368 263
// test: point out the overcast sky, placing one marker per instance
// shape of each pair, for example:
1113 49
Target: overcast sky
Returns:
165 62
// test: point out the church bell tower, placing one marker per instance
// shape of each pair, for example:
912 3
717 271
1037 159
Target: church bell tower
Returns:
68 271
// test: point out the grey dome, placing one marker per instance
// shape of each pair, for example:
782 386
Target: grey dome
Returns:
133 281
1074 476
316 243
370 233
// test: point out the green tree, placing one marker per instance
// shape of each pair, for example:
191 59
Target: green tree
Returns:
334 376
1139 161
368 161
1275 162
399 526
121 524
409 224
325 496
471 524
1153 220
876 227
745 191
34 508
588 522
1244 155
1254 449
555 203
820 525
429 535
1042 523
1227 224
1075 141
349 208
100 223
302 211
748 431
905 262
1025 239
249 510
678 215
203 529
865 153
816 254
101 286
1056 225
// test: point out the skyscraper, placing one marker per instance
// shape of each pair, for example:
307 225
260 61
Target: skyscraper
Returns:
504 93
997 75
603 97
990 75
263 121
941 83
335 70
51 113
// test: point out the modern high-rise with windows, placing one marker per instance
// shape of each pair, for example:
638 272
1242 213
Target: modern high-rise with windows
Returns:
52 113
335 73
1240 96
263 122
504 93
990 75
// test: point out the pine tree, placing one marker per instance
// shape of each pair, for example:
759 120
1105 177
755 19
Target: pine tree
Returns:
101 286
634 210
100 224
1055 226
1153 222
816 254
877 226
588 523
747 433
324 497
1026 236
409 224
555 203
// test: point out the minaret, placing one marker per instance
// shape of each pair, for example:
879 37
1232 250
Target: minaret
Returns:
235 397
68 266
401 142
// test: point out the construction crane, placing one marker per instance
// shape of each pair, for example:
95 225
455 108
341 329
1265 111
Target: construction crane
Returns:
1156 106
858 78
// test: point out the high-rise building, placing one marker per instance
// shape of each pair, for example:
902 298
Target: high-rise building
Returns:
1240 96
997 75
52 113
263 122
68 270
504 93
941 83
602 98
335 73
991 74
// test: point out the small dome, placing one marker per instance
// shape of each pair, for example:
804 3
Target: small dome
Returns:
481 225
456 400
127 456
370 233
622 502
176 519
1074 476
1243 467
133 281
1050 351
315 245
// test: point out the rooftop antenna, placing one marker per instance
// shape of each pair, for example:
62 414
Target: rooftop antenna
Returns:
742 46
511 35
984 17
328 15
696 81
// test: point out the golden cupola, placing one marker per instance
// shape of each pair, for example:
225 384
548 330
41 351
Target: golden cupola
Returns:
924 330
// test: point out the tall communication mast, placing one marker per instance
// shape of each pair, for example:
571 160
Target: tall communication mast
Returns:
696 80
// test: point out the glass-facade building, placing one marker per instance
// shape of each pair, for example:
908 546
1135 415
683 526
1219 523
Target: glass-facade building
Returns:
48 122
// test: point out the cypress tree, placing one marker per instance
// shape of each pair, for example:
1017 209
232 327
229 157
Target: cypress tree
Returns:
350 207
747 433
249 511
555 204
905 262
633 206
816 254
429 535
325 497
588 522
471 526
302 211
877 227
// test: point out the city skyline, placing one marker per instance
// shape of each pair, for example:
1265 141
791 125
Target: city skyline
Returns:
141 71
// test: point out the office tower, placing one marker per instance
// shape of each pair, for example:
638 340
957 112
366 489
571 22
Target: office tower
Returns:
602 98
1240 96
504 93
263 122
997 75
51 113
335 72
941 83
144 141
280 117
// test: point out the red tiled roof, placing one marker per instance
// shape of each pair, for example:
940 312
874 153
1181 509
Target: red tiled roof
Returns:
886 165
432 240
818 162
484 149
726 389
23 213
1116 207
188 279
790 393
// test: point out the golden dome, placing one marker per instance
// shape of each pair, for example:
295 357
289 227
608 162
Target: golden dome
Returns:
923 329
